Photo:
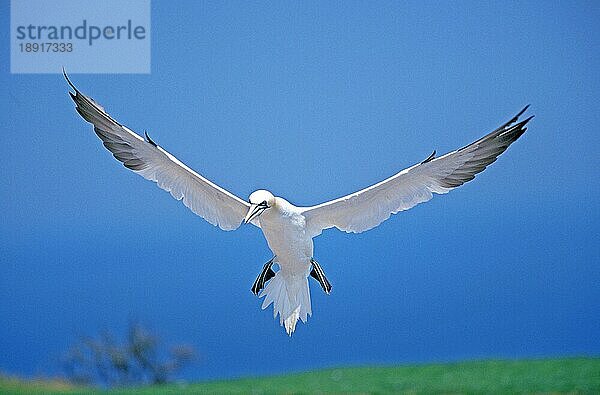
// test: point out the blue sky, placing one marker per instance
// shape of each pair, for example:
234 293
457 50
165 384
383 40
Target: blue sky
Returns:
313 101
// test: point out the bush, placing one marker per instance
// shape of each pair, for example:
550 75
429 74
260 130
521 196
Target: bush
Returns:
139 360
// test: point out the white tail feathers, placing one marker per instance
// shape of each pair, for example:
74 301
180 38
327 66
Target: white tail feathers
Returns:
290 296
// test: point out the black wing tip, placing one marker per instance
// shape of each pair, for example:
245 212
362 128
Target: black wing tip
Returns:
516 130
528 119
64 72
521 125
430 157
516 117
75 96
149 140
522 111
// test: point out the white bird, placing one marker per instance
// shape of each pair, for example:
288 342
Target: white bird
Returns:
289 230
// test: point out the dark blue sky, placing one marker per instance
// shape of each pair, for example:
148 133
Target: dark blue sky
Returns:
314 101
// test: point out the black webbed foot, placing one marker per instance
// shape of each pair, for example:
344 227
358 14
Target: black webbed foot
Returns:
264 276
318 274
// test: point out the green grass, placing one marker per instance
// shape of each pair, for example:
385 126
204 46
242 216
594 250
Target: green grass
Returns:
570 375
13 385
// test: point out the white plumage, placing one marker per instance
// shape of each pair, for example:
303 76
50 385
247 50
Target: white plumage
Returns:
288 229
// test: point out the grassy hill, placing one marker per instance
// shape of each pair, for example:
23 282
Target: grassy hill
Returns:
570 375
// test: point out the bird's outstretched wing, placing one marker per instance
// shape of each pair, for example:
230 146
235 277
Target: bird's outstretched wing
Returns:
369 207
146 158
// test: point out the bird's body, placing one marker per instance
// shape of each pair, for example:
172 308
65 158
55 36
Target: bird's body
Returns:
289 230
284 227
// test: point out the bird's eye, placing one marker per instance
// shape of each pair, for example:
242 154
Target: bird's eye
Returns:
264 203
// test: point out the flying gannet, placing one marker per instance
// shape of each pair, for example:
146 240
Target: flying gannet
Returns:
289 230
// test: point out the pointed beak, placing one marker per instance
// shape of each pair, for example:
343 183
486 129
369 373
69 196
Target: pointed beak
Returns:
254 211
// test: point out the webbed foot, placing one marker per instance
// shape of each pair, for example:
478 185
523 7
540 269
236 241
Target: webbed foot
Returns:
318 274
264 276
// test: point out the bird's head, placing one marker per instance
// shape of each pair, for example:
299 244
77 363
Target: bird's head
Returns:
260 201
